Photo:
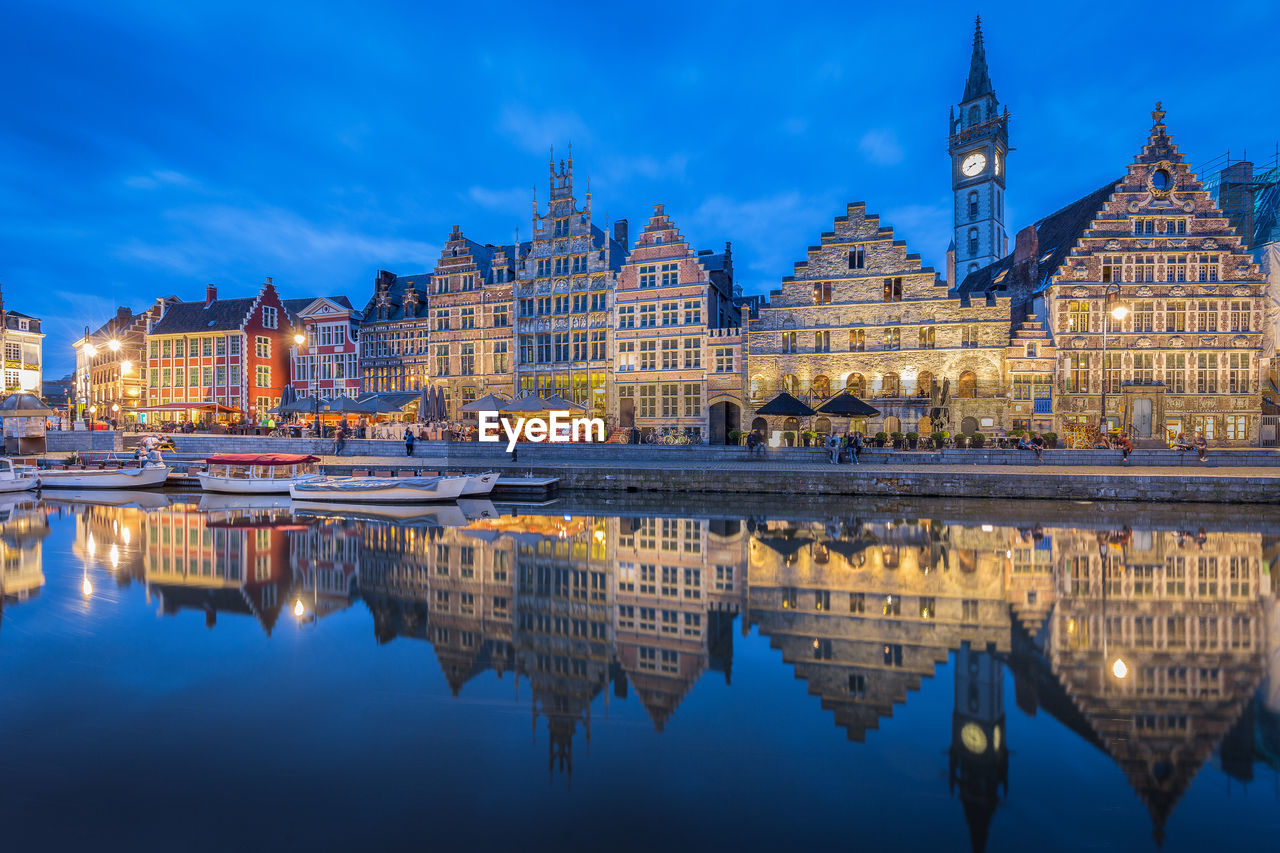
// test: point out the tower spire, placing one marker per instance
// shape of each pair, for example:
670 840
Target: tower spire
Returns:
979 82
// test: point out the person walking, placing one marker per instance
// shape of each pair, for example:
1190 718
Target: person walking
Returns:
362 427
339 439
856 447
408 440
833 447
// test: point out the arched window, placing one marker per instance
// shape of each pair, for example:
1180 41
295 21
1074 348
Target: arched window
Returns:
968 385
973 204
822 426
856 384
973 242
924 381
791 383
892 424
757 389
890 385
821 386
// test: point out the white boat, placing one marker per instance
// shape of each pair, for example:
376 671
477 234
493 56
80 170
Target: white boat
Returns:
148 476
222 502
479 485
257 473
134 498
17 478
477 509
383 490
403 514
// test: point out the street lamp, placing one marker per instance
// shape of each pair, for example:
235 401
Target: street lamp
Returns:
113 345
1119 311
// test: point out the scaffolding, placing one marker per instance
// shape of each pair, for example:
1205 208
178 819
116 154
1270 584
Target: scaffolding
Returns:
1248 194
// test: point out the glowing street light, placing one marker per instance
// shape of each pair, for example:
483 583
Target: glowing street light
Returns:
113 345
299 339
90 350
299 610
1119 669
126 366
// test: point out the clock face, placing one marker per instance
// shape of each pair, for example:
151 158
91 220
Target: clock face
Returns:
974 738
996 164
974 164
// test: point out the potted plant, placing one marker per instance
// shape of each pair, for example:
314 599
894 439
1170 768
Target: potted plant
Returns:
913 440
735 436
809 437
977 440
896 437
939 438
1050 439
881 438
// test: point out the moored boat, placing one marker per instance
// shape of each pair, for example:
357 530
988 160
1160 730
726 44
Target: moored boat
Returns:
479 485
17 478
148 476
257 473
403 514
379 489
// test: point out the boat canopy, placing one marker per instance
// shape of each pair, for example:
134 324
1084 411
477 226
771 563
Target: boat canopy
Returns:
271 459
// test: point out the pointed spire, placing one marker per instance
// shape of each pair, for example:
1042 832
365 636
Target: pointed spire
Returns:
979 83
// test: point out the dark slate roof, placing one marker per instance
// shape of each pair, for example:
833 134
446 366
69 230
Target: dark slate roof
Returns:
222 315
617 252
421 284
1056 235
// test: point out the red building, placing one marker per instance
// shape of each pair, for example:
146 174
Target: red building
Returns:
223 358
324 346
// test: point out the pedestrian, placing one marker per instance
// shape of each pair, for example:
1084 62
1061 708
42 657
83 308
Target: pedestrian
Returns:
408 441
339 438
1126 447
1037 444
833 447
1202 445
856 447
362 427
760 445
752 440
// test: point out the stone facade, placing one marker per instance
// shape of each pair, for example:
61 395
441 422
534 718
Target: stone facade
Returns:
111 377
470 339
564 299
862 314
668 299
1187 354
394 353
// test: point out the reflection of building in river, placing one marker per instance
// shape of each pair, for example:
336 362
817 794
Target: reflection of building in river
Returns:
1159 638
450 586
219 562
679 584
563 635
865 612
23 525
111 538
324 561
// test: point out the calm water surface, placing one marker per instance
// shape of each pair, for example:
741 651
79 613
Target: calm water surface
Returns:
630 676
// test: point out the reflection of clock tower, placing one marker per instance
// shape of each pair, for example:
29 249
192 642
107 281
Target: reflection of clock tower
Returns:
979 143
979 756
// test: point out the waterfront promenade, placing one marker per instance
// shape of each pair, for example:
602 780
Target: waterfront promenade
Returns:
1229 476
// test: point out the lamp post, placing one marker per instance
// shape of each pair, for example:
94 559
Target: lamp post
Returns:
1119 311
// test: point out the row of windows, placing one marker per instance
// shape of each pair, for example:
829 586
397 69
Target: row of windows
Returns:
208 347
463 355
563 346
1167 268
926 337
676 354
205 377
670 313
1182 373
467 318
665 399
653 275
568 303
1194 315
886 385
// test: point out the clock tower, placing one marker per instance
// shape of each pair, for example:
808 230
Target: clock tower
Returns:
978 144
979 756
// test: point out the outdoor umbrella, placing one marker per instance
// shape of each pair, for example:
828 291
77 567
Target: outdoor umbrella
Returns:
425 399
487 403
786 405
442 408
787 546
348 405
527 403
847 406
555 401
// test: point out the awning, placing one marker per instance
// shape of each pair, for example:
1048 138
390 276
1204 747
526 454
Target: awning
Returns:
270 459
847 406
785 404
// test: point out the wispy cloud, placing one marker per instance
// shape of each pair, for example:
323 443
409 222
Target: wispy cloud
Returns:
161 178
206 236
881 147
536 132
775 227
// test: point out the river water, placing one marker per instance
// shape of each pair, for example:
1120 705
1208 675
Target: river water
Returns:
638 675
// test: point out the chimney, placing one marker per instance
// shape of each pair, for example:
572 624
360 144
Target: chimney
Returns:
210 295
620 232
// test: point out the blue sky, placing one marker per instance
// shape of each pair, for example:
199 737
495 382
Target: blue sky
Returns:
151 148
